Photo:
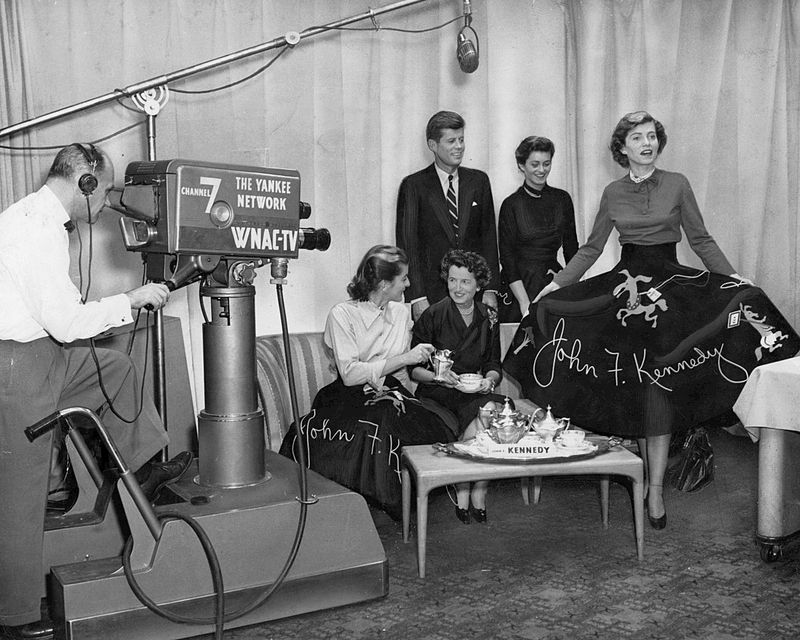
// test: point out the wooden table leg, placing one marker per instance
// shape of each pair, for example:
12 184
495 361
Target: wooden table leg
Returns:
405 483
604 500
422 527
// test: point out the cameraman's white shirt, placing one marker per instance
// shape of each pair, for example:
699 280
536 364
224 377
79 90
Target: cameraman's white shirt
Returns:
39 298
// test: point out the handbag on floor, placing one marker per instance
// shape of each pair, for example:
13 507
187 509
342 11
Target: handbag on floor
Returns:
694 468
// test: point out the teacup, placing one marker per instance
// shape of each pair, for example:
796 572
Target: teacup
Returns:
572 437
470 382
470 378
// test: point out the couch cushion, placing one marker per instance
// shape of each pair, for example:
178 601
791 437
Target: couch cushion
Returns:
313 368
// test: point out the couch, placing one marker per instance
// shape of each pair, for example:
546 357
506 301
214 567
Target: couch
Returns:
313 368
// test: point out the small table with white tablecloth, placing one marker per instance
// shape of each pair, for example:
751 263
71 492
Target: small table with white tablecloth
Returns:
768 407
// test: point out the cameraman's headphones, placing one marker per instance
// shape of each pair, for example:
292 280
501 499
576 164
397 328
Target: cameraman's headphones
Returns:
87 183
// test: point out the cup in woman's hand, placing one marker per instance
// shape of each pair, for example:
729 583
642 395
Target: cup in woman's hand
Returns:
469 382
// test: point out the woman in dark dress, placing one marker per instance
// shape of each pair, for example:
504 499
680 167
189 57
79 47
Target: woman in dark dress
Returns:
652 346
359 423
469 329
535 222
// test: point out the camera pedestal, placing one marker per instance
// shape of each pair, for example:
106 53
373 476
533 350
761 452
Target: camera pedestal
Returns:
247 501
341 560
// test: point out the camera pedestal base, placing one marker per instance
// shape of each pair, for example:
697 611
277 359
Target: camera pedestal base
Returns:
340 561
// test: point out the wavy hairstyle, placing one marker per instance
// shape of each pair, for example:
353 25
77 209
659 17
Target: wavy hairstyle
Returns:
440 121
473 262
381 262
624 126
531 144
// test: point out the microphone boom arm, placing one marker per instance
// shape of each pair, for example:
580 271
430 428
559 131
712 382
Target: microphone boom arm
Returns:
290 39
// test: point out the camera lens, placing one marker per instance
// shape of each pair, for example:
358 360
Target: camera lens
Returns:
319 239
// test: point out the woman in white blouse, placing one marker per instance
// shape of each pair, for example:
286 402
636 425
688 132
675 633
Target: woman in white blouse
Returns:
359 423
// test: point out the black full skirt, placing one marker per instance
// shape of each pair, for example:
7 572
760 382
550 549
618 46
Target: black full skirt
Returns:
535 276
618 360
355 437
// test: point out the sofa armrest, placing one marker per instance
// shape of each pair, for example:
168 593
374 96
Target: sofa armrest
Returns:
313 369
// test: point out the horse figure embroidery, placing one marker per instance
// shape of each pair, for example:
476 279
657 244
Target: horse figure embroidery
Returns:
634 304
770 339
385 393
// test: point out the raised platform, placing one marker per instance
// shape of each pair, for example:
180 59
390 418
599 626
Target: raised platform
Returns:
340 561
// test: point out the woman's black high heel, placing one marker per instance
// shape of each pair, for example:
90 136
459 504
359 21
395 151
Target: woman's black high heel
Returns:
462 514
479 515
657 523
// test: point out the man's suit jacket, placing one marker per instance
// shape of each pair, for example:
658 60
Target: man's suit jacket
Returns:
425 232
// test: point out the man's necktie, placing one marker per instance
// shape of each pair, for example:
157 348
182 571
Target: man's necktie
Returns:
452 204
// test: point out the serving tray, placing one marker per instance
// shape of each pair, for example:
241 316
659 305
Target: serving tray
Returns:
601 445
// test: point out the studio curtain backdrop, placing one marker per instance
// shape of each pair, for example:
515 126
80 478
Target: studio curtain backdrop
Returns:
348 110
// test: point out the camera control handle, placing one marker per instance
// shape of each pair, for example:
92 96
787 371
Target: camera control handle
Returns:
41 427
170 285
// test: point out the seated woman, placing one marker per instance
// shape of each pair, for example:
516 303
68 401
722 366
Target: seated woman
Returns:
359 423
469 330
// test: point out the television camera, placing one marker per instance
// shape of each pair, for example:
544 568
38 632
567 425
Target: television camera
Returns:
216 223
191 216
220 222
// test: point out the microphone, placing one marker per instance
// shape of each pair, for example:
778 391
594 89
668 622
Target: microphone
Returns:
69 225
467 54
466 51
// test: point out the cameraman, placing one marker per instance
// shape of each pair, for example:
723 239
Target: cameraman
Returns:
43 311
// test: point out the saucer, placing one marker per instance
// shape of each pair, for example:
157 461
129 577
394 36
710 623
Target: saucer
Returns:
583 446
573 445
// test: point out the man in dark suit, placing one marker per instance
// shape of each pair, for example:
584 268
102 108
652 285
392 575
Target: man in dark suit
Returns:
445 206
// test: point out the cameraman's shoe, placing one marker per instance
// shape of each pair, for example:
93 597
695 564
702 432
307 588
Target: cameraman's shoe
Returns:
42 630
64 496
154 476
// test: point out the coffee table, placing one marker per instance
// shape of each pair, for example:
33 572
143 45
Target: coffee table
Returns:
429 469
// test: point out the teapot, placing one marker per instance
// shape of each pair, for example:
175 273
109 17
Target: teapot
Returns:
546 425
441 363
507 426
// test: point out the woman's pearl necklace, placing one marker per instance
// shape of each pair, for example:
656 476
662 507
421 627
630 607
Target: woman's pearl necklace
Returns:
468 312
531 191
638 179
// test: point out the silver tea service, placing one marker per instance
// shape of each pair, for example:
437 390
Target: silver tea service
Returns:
441 363
547 426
